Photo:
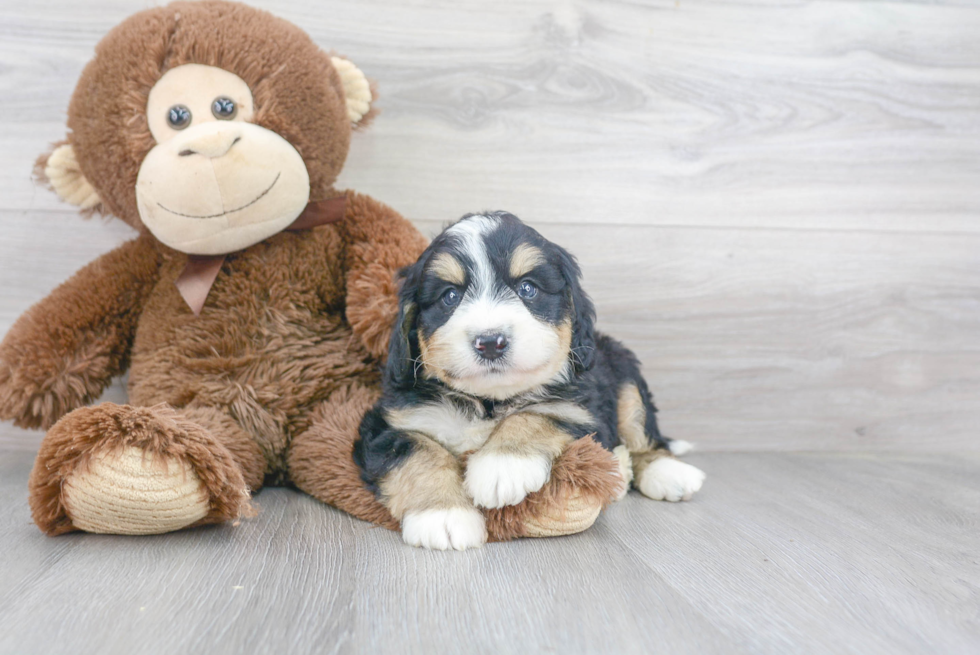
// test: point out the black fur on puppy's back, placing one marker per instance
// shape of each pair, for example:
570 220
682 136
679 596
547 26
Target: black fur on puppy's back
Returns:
599 388
379 447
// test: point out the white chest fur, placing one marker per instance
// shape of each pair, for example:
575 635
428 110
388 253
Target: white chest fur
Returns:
461 429
452 426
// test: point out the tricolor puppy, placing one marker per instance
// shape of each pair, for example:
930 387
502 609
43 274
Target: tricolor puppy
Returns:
495 354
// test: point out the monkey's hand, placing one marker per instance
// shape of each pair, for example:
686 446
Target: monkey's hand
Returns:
379 243
65 350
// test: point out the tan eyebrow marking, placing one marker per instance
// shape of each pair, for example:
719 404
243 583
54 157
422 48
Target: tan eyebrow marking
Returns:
525 259
448 268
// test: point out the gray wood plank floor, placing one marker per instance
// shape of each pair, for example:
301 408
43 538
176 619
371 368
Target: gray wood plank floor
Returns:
780 553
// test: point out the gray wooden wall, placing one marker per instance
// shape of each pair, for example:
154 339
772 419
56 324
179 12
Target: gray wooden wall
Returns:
775 203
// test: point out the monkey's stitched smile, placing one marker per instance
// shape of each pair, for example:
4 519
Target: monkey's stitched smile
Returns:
230 211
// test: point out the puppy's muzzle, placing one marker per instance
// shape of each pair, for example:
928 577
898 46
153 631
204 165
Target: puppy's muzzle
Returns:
490 346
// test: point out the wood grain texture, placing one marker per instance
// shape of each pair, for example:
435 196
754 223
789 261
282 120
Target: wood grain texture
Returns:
851 115
775 202
780 553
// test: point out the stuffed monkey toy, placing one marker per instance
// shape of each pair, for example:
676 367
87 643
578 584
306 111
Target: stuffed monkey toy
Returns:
254 308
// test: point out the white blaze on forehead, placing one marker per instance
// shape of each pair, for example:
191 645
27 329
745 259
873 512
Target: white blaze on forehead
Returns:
482 310
471 232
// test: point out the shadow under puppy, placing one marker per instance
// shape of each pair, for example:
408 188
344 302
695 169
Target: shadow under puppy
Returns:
494 368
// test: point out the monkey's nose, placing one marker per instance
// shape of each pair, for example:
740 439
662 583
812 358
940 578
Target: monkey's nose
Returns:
490 346
211 145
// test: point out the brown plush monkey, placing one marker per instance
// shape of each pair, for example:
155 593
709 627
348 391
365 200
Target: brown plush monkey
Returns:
253 309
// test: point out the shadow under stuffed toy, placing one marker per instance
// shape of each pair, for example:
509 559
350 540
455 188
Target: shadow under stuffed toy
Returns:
253 309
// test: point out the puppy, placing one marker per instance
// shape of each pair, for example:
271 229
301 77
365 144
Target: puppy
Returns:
494 353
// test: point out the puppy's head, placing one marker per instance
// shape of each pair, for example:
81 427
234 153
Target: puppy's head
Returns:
492 309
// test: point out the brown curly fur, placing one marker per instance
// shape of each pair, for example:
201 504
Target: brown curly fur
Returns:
65 350
271 380
320 459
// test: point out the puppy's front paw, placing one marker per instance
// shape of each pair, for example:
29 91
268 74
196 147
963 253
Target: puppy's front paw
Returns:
669 479
496 480
442 529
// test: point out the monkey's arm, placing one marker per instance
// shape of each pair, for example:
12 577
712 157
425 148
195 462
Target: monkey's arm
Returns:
63 352
379 242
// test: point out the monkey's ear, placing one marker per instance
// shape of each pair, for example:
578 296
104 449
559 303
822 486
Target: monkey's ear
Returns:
60 169
357 89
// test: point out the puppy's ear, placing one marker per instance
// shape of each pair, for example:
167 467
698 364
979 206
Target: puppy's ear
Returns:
403 350
583 313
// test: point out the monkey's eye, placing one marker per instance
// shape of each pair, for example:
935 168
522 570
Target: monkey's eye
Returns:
224 108
178 117
527 290
450 298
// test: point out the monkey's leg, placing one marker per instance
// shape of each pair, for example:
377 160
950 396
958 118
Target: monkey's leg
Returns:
119 469
320 461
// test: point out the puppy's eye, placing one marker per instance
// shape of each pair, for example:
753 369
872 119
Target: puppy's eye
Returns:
527 290
223 108
178 117
450 298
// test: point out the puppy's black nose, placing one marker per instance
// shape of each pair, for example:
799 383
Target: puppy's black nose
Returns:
490 346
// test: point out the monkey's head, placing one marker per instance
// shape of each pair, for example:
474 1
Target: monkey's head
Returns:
210 124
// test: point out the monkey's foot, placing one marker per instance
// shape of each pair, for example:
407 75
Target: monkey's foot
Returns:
131 492
117 469
577 515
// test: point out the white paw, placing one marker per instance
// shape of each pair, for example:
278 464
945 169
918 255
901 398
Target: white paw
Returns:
496 480
680 447
442 529
669 479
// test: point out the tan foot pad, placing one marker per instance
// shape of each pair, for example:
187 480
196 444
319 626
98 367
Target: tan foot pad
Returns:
131 492
575 516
